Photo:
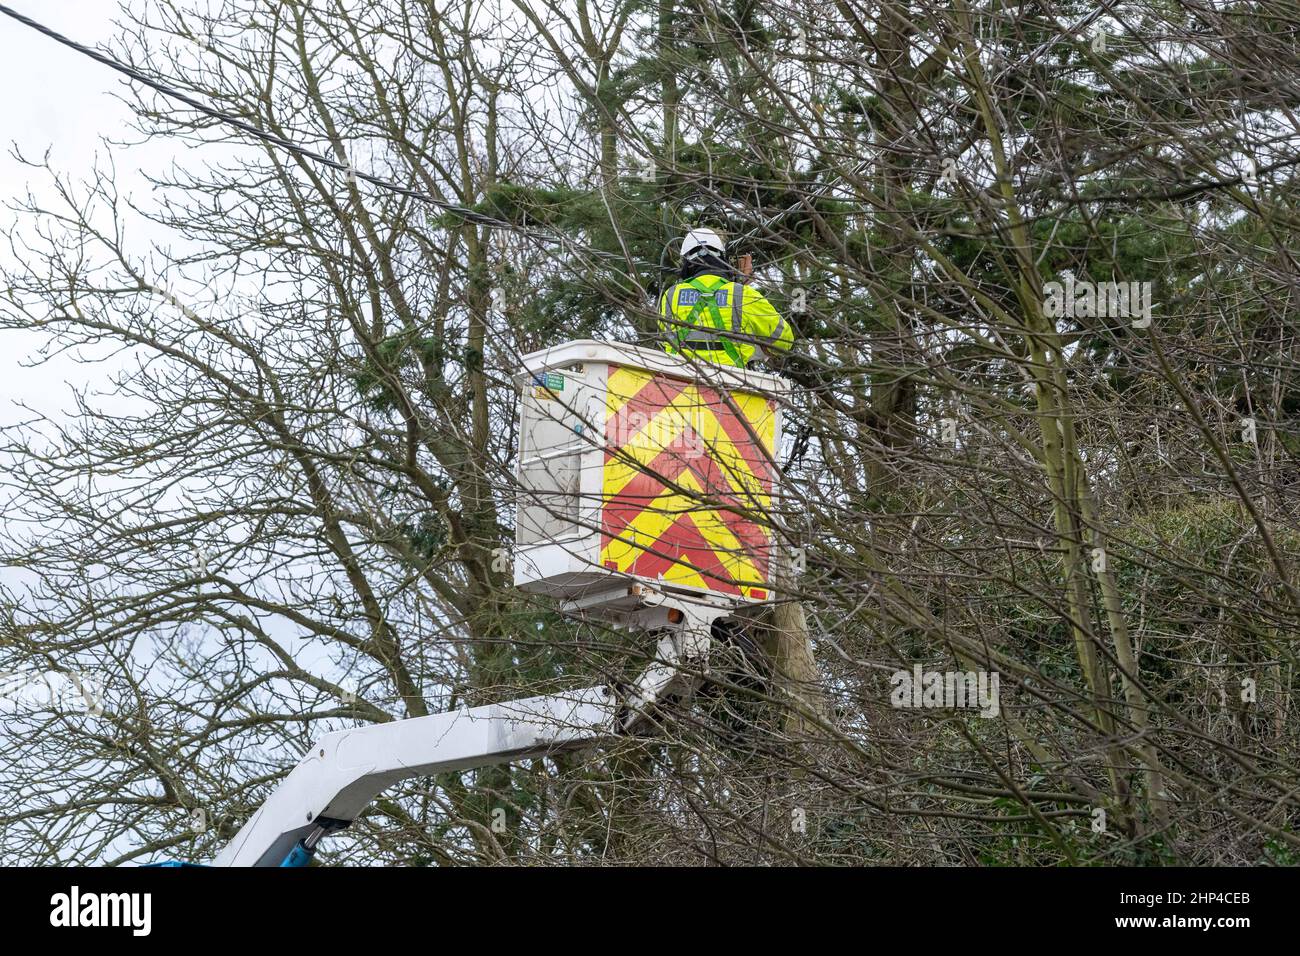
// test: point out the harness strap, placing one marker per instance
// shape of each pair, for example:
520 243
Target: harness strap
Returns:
684 329
708 301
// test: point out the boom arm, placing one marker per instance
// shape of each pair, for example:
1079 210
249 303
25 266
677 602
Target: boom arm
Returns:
347 769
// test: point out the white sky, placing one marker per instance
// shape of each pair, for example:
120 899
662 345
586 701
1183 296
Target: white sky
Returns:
60 100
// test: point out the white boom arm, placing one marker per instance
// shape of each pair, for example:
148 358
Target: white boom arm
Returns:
347 769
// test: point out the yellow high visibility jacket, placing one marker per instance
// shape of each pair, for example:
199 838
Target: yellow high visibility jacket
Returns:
714 320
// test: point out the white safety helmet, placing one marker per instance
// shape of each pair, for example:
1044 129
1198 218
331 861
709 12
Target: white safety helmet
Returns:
700 241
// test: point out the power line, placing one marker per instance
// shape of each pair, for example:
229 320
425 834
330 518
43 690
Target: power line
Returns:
274 139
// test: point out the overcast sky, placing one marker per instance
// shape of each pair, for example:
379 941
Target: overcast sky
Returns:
56 99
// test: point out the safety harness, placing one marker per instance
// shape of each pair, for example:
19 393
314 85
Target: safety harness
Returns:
707 301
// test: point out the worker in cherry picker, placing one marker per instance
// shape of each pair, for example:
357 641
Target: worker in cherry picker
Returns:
711 315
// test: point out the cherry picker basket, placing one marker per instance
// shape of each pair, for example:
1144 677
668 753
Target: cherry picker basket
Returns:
640 466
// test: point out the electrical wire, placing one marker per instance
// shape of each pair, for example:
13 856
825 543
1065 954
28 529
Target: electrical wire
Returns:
462 212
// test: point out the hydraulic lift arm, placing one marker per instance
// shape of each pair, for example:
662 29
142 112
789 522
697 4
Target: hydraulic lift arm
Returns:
347 769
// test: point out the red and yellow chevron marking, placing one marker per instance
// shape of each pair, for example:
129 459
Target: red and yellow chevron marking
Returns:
688 476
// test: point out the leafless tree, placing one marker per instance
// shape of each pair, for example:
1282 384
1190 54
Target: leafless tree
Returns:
282 514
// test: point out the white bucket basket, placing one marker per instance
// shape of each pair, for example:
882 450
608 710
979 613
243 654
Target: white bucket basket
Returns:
635 465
